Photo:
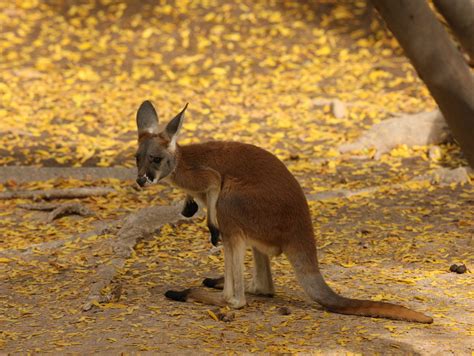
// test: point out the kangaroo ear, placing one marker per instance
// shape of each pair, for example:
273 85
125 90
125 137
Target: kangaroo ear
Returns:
147 119
173 127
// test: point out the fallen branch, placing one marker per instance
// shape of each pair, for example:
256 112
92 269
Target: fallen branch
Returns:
40 206
59 210
57 193
136 226
69 209
440 176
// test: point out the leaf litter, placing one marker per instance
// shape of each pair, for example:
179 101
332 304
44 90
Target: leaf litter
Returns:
73 75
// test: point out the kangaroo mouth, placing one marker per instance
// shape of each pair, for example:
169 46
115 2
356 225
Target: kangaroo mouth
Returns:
145 180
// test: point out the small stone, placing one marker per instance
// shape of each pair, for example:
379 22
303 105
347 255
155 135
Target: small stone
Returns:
226 317
453 268
461 269
338 109
434 153
284 311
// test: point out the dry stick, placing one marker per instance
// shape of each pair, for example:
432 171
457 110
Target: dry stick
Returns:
136 226
57 193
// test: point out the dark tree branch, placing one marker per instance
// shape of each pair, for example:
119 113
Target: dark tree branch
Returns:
460 16
438 63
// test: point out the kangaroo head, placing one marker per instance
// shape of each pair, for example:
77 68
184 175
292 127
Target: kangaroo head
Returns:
156 154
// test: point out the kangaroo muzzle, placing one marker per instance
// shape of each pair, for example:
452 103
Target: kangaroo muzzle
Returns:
141 181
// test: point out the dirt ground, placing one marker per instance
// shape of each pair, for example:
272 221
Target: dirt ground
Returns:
394 246
73 75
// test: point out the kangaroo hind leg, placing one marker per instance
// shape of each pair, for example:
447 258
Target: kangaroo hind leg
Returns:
262 283
234 287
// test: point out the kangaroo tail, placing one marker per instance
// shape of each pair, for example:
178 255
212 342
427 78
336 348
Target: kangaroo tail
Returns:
197 295
306 267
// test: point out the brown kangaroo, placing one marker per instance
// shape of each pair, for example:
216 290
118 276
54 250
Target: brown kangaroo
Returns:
252 200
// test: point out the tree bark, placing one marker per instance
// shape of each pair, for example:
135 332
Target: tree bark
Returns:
460 16
438 63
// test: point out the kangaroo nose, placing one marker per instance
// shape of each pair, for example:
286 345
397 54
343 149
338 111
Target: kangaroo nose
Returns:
141 181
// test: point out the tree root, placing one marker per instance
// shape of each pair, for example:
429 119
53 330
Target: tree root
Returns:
413 130
57 193
136 226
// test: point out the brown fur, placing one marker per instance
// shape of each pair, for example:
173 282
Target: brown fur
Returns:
260 204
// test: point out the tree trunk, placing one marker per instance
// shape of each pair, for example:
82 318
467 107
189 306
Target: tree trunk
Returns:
438 63
460 16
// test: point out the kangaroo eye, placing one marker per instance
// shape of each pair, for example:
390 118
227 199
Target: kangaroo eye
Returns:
156 160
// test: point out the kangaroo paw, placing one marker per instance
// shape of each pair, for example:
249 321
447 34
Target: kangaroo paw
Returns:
215 234
179 296
190 208
216 283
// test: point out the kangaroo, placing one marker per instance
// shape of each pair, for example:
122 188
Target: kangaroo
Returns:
252 200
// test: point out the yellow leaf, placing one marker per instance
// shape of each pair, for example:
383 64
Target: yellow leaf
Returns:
323 51
87 74
212 315
348 264
148 32
114 306
219 71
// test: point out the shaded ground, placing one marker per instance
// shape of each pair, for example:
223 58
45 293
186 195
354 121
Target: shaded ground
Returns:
395 246
72 78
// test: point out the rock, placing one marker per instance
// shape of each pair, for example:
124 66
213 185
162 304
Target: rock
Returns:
284 311
225 316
